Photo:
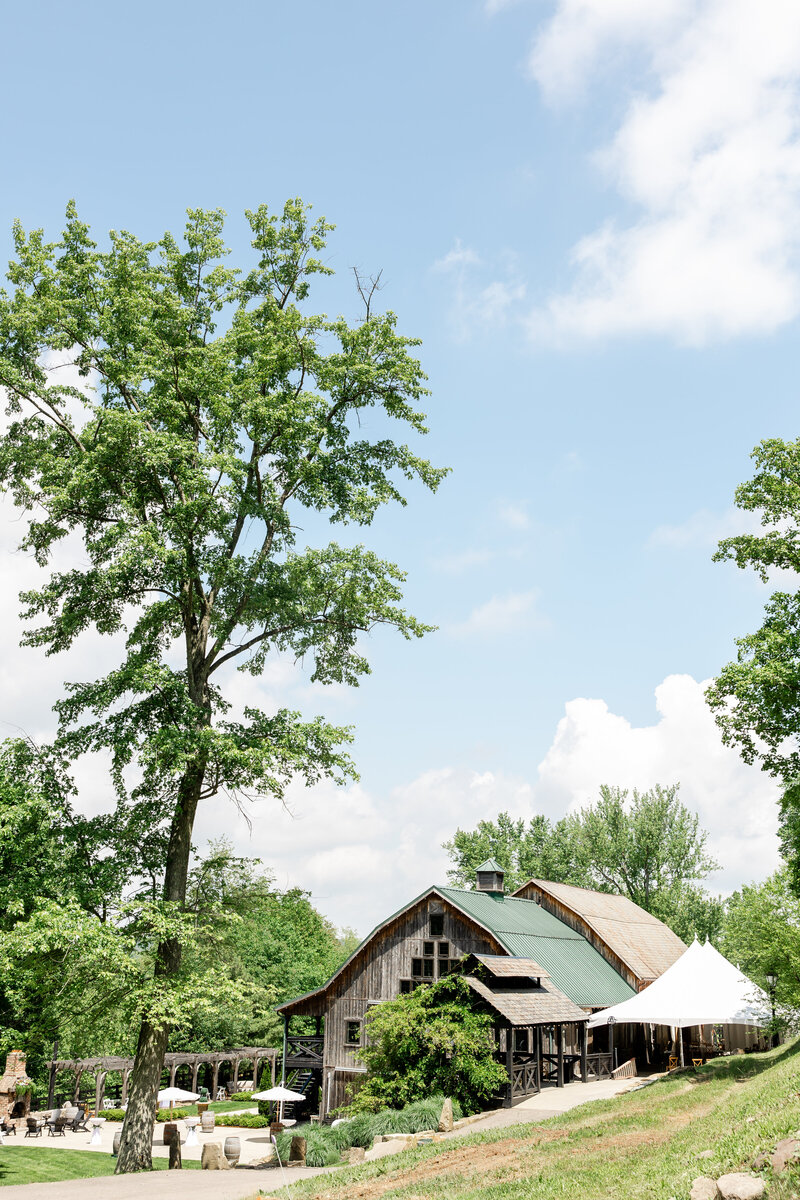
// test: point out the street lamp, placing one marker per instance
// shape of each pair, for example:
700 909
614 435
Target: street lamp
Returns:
611 1023
772 979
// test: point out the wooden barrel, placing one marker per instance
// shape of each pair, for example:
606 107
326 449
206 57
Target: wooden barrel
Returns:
232 1149
170 1127
207 1120
117 1138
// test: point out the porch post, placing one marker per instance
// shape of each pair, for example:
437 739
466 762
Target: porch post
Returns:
509 1066
539 1057
560 1036
285 1047
584 1054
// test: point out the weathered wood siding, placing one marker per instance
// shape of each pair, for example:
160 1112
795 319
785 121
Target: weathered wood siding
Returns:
580 925
375 973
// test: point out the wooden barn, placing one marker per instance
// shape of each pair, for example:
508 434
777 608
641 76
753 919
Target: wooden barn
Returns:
542 960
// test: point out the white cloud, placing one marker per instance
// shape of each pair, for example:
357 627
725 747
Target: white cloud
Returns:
502 614
477 305
709 157
514 515
362 855
704 529
736 803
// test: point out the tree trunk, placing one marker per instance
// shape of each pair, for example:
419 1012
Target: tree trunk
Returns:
136 1143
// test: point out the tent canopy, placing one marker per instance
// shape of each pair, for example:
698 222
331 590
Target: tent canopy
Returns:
700 988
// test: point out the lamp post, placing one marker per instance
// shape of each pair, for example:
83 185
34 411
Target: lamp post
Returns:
611 1023
772 979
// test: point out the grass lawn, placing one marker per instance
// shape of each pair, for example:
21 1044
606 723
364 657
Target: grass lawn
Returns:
643 1145
29 1164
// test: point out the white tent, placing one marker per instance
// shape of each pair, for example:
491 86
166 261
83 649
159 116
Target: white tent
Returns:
700 988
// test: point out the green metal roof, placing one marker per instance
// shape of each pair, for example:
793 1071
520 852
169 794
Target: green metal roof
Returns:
527 931
491 864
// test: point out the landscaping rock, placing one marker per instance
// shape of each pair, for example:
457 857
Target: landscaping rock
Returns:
704 1188
297 1153
446 1119
786 1152
356 1154
212 1158
738 1186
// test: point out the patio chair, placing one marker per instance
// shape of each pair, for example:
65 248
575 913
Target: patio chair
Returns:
34 1128
59 1127
79 1122
8 1127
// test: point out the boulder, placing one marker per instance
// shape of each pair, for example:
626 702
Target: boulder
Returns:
738 1186
786 1152
704 1188
212 1158
446 1119
356 1154
297 1152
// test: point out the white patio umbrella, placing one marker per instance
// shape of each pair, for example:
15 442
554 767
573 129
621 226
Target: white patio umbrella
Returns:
279 1094
171 1094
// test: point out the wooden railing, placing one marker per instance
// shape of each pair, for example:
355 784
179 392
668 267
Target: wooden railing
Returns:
304 1051
599 1065
626 1070
524 1075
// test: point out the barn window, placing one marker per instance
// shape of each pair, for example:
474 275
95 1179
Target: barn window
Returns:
437 924
416 966
427 948
405 986
444 949
353 1035
427 968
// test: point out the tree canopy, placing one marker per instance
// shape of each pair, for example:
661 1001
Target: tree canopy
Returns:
213 409
755 699
646 845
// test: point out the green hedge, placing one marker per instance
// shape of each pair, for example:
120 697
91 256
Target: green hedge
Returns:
243 1096
246 1120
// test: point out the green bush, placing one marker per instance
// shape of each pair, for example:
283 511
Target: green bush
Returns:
243 1096
114 1114
246 1120
177 1114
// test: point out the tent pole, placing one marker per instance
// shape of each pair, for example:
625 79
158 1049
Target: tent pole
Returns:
680 1042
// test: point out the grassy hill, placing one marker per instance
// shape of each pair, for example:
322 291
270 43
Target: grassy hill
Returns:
643 1145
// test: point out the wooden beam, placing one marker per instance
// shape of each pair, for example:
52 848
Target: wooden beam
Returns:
560 1036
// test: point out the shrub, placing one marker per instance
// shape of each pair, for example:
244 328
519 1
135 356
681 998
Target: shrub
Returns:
246 1120
428 1042
177 1114
114 1114
244 1096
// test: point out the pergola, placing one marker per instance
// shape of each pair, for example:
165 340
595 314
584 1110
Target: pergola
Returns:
215 1058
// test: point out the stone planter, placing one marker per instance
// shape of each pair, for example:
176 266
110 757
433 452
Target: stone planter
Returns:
232 1150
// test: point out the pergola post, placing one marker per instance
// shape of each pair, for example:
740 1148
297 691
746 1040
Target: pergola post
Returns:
100 1087
125 1076
215 1084
272 1061
560 1037
195 1069
584 1036
236 1062
173 1071
77 1092
539 1057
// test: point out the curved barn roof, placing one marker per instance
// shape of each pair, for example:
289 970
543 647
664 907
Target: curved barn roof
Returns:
646 946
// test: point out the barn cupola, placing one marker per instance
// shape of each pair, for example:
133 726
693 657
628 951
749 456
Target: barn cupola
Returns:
490 876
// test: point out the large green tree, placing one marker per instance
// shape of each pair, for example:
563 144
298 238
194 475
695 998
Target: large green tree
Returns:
218 413
761 934
756 698
645 845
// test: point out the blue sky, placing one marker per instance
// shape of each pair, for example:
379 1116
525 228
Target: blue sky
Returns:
586 209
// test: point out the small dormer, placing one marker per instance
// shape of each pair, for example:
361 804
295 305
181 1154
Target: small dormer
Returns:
490 877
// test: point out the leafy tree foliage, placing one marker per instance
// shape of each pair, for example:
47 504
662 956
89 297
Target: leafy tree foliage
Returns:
647 846
218 411
761 934
431 1040
755 698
